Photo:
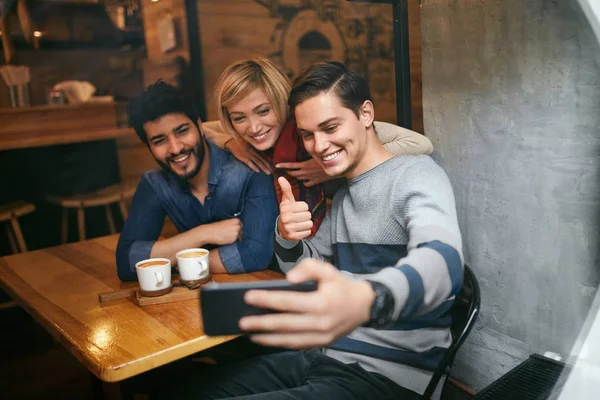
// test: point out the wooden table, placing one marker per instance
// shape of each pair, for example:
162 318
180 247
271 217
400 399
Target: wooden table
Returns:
59 287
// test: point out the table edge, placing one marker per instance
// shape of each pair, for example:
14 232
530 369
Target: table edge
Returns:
116 373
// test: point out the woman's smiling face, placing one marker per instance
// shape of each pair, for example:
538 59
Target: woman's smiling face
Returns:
255 120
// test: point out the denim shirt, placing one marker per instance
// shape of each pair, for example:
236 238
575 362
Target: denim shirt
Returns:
233 188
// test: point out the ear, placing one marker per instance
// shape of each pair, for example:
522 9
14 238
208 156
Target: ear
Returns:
367 113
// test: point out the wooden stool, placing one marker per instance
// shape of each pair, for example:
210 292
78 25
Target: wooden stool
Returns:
9 214
104 197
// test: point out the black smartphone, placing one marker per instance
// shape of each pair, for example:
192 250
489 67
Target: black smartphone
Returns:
223 303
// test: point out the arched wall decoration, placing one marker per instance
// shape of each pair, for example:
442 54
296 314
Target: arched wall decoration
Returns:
359 35
304 22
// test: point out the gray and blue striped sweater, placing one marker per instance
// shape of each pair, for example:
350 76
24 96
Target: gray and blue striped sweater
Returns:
395 224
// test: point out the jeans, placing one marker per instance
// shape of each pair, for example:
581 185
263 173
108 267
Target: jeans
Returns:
287 375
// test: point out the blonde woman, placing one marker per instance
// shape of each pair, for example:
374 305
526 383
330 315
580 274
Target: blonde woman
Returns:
255 126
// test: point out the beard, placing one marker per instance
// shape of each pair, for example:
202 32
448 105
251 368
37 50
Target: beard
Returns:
198 153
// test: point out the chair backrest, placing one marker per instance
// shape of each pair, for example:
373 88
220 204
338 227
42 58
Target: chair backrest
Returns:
464 314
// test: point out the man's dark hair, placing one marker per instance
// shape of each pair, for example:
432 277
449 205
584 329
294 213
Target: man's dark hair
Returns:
350 88
157 100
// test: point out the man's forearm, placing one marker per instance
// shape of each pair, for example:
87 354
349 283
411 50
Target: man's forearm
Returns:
167 248
161 251
193 238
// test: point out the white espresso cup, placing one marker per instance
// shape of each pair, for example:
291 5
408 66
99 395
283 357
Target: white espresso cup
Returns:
193 266
154 276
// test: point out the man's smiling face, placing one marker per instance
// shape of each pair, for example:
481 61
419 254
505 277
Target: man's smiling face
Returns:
332 134
176 144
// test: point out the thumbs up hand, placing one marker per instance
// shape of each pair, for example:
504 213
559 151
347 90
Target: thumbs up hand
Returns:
294 218
286 189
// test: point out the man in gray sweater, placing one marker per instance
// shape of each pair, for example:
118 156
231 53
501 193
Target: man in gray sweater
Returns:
387 258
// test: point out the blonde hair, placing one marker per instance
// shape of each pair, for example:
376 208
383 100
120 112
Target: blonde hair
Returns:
241 78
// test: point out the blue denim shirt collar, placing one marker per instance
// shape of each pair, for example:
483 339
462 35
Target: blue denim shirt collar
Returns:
218 159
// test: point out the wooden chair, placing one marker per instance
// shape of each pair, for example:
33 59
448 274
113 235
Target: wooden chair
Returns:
9 215
115 194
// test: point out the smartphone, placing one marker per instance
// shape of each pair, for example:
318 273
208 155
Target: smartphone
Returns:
223 304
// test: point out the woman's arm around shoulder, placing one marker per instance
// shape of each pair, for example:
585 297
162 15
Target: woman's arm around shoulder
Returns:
402 141
214 133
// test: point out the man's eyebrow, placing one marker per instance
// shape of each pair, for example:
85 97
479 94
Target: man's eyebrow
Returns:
157 136
180 127
322 124
328 121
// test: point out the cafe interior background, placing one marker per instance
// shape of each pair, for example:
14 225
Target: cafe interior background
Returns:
507 91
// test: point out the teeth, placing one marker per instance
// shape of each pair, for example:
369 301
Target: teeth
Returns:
181 159
261 137
331 156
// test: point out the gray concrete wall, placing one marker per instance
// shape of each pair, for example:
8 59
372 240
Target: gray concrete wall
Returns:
512 105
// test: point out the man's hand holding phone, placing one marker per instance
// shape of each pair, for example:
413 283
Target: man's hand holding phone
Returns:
309 320
294 221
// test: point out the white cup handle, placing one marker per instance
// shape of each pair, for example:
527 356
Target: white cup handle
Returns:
203 264
159 278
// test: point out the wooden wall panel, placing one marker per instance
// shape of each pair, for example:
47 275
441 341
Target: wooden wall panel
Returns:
152 14
134 156
358 34
134 159
159 64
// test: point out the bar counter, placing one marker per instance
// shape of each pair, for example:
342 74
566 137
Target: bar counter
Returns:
37 126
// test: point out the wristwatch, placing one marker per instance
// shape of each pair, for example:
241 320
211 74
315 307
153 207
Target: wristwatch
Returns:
382 308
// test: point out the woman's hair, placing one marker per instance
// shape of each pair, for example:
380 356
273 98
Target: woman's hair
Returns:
241 78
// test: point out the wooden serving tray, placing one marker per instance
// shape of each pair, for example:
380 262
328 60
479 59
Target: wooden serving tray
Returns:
179 293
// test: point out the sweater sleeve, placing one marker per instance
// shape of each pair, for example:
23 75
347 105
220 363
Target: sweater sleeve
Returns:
431 272
401 141
289 252
214 133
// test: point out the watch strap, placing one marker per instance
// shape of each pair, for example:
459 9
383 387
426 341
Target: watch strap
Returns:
382 308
